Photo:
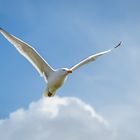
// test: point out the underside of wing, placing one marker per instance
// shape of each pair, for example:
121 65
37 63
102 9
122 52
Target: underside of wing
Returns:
29 53
91 58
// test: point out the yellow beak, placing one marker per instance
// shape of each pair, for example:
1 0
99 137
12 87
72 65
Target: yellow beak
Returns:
69 71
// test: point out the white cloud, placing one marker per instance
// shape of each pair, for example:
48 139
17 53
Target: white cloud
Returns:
55 118
64 119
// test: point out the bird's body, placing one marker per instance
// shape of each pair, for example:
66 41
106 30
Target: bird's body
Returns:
54 78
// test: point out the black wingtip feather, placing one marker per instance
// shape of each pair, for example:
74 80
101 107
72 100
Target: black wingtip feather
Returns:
118 45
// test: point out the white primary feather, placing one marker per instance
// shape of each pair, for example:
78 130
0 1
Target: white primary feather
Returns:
29 53
91 58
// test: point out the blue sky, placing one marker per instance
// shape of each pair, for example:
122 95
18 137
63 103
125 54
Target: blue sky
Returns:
64 32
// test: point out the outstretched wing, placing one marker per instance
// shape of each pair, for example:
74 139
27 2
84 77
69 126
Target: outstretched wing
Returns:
29 53
92 58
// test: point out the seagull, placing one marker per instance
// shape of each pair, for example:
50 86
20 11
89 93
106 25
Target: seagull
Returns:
53 77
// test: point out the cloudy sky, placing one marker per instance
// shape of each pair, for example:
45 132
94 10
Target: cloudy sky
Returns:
101 98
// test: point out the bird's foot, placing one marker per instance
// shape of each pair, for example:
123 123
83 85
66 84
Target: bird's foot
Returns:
50 94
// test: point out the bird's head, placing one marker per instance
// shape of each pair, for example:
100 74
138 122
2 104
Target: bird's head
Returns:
65 71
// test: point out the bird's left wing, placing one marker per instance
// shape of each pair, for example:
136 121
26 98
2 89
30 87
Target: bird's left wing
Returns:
29 53
92 58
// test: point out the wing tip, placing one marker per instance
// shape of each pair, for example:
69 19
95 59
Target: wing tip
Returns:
118 44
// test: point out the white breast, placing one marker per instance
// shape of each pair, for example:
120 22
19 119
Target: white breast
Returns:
55 81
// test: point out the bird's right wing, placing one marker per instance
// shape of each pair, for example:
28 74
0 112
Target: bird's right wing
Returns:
92 58
29 53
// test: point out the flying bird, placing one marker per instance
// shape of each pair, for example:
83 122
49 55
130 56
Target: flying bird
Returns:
53 77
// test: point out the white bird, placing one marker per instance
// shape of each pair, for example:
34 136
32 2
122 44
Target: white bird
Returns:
53 77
